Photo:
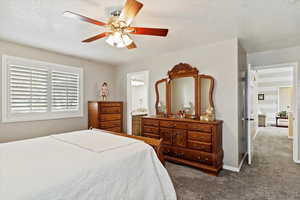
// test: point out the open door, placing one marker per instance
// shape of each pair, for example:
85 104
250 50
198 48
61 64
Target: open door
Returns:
137 96
250 111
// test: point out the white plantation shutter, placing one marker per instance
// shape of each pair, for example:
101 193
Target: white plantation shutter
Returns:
34 90
65 91
28 89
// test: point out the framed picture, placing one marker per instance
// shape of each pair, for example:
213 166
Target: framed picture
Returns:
261 97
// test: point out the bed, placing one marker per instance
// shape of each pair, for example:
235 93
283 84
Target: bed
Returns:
82 165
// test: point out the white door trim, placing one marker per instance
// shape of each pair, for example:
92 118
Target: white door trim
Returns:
294 65
128 94
248 103
296 114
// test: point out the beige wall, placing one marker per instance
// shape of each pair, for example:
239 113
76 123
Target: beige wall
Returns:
93 73
285 98
287 55
218 60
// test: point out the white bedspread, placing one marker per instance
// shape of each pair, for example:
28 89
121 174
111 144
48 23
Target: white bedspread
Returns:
83 165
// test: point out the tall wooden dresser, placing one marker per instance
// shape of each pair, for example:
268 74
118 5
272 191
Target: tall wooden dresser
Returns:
107 115
191 142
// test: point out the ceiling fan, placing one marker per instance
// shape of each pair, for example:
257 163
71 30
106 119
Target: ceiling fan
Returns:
118 26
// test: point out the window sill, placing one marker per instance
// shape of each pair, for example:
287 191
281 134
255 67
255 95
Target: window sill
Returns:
42 118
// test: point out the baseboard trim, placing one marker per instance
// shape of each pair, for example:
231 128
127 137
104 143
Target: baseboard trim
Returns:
230 168
297 161
236 169
290 137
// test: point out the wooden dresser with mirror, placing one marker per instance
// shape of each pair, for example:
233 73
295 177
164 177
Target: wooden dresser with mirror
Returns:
181 101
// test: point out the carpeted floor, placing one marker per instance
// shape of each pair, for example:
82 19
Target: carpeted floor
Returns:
272 176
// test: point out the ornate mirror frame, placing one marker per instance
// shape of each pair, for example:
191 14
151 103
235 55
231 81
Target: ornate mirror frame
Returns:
179 71
162 81
211 89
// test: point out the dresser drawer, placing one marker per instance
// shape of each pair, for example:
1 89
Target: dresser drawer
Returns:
114 129
110 104
166 130
110 109
179 137
207 147
110 117
166 134
151 129
150 135
166 150
167 124
200 127
199 136
109 124
180 125
150 122
204 158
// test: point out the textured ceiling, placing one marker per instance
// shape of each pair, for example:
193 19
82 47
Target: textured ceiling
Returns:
260 25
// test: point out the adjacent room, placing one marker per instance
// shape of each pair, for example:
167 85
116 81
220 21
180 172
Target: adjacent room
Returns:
149 100
272 110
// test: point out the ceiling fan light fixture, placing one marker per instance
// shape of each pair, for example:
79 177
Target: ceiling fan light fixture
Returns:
119 40
118 27
126 39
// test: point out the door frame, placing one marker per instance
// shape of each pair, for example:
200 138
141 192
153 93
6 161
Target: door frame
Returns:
129 93
248 117
294 65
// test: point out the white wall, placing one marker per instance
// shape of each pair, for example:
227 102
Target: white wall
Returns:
287 55
93 73
218 60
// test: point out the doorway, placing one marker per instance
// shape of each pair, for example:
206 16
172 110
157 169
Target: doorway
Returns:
272 107
137 98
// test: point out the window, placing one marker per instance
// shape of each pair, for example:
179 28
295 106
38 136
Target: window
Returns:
34 90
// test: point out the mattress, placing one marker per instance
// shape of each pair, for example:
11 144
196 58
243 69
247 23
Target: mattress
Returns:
82 165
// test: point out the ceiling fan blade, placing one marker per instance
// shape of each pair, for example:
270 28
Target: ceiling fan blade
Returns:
131 46
83 18
96 37
130 10
150 31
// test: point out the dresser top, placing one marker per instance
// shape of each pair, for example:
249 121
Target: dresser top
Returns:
183 119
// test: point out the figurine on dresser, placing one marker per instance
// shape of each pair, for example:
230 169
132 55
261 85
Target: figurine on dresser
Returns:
104 91
191 134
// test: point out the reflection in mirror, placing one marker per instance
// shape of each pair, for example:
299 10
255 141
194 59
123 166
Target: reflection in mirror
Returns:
183 95
206 85
162 93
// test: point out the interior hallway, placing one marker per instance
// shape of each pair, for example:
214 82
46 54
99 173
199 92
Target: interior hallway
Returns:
273 175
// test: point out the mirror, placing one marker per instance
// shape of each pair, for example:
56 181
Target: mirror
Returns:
206 85
183 95
184 90
161 96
